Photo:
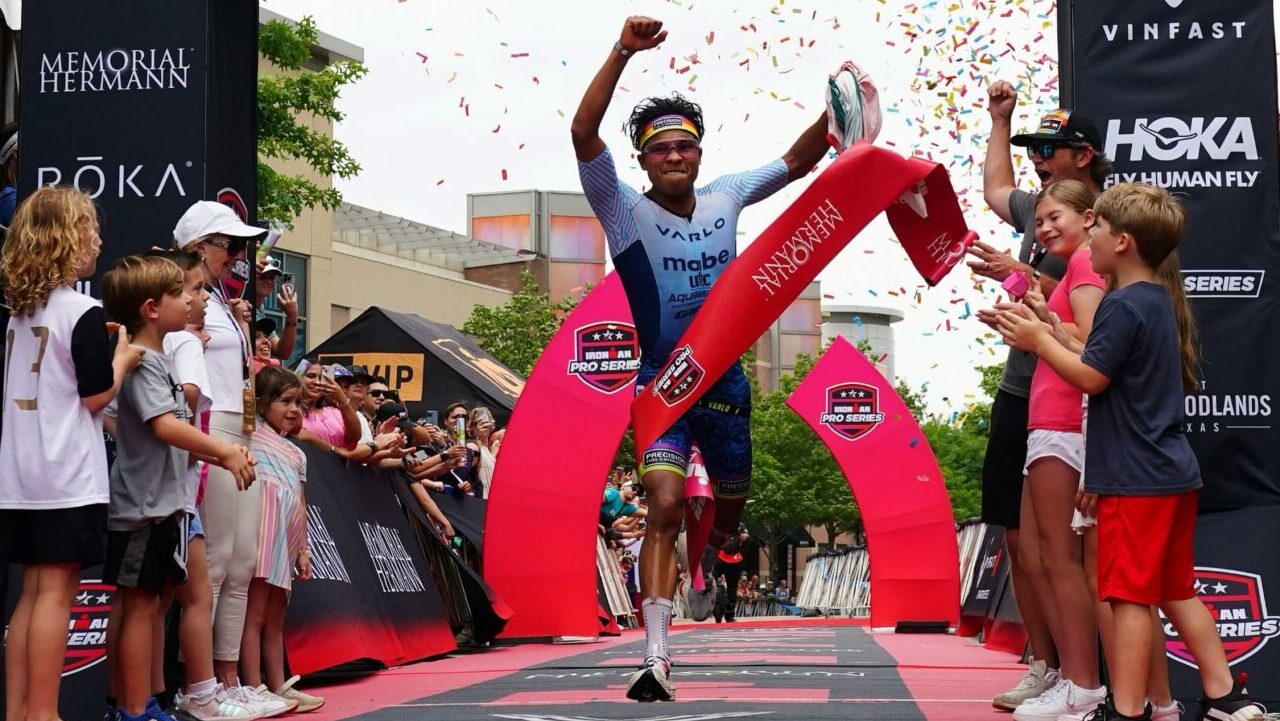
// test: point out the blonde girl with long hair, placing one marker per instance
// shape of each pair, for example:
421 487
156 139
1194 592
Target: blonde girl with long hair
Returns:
61 371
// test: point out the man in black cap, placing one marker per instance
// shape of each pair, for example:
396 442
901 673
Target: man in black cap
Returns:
361 379
1065 146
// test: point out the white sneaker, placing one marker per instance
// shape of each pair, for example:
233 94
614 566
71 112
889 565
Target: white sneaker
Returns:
1037 680
1065 698
306 702
265 694
266 708
215 706
652 682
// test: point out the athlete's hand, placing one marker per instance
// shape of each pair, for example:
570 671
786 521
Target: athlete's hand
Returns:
641 33
1001 100
1087 503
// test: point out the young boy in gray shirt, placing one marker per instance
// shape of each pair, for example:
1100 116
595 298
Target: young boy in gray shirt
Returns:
146 517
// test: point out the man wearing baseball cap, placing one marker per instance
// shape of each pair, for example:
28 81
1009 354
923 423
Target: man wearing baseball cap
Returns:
269 273
1065 146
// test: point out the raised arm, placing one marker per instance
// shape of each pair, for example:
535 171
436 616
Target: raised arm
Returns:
997 169
807 150
638 33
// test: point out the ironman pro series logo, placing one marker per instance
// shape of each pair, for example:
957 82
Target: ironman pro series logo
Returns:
1239 608
853 410
606 355
87 629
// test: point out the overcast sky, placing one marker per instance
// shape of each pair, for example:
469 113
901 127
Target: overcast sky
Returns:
458 93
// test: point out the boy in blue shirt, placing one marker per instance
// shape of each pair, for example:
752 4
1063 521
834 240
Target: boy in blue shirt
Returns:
1136 366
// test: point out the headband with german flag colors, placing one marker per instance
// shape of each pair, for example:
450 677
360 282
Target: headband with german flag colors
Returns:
667 122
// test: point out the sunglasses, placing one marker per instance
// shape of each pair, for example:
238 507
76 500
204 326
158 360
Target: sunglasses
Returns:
233 246
686 148
1045 151
385 394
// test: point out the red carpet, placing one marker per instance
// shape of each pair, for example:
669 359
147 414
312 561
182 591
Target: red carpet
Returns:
783 669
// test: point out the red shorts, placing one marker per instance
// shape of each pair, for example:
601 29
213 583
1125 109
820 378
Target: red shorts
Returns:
1145 548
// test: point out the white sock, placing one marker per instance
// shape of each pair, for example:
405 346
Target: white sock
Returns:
657 616
203 689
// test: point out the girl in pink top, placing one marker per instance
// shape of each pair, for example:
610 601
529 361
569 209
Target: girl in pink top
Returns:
1055 453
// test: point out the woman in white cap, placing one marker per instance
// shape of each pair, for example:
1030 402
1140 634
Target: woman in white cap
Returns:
230 513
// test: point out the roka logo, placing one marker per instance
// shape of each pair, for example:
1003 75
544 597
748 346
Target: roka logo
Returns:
679 378
1239 607
853 410
87 629
606 355
1183 139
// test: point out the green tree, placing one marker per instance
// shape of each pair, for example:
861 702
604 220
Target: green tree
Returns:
517 332
794 481
286 99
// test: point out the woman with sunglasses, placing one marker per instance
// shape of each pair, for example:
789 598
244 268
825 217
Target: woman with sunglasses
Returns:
669 246
229 513
1066 146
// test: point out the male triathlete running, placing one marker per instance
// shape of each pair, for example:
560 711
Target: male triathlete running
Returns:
669 246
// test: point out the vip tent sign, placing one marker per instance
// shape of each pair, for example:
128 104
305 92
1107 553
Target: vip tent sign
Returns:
403 371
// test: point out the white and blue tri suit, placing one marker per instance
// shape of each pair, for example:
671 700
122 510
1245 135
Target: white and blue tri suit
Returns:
667 264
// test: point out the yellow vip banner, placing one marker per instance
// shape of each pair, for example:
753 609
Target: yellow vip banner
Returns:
403 371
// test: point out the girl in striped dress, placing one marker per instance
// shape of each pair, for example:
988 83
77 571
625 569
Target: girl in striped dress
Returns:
282 539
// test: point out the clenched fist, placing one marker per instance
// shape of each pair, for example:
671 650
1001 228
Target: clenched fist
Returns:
641 33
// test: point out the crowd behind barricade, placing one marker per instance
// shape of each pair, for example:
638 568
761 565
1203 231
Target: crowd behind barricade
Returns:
204 503
622 526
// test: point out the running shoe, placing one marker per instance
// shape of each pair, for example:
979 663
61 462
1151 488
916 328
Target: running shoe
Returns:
215 706
1235 706
152 712
267 707
652 682
265 693
1037 680
306 702
1065 698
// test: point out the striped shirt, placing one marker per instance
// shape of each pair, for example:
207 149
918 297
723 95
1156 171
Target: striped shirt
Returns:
668 263
282 469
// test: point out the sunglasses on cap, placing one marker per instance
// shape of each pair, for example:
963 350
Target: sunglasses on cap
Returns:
233 246
1045 151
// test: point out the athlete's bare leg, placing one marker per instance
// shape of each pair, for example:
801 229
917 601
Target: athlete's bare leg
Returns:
665 490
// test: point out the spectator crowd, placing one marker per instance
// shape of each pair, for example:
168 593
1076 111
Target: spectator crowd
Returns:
204 502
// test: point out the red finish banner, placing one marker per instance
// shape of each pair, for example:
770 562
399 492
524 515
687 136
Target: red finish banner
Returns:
756 288
539 550
911 534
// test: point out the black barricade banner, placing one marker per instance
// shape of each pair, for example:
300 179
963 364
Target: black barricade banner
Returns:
1238 578
1185 95
113 103
84 671
372 596
988 578
466 515
489 614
